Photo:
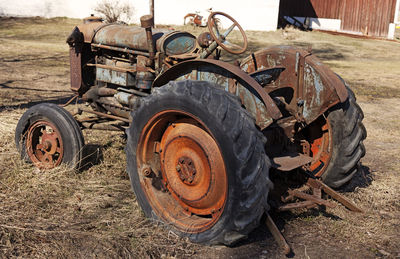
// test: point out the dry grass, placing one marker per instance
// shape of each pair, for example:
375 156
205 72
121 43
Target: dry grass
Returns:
62 213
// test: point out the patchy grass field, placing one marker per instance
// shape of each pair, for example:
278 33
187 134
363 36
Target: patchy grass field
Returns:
60 213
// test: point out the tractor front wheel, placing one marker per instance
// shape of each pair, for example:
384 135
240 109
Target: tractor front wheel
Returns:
196 161
47 135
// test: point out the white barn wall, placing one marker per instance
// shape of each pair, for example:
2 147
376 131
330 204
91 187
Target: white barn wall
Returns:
252 15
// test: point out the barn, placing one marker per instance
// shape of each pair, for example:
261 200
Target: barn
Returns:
364 17
253 15
374 18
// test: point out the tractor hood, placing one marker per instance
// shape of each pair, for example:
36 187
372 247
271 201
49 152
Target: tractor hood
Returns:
170 42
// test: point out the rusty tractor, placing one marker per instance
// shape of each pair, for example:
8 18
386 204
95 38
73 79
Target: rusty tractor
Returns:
202 134
196 19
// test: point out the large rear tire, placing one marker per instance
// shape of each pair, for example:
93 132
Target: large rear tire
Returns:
339 147
197 161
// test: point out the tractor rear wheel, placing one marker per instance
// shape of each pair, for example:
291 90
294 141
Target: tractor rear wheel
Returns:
336 142
197 161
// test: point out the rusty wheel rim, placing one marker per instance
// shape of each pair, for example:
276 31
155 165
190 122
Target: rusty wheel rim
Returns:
181 171
44 145
320 145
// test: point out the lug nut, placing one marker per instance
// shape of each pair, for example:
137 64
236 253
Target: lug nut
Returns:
147 172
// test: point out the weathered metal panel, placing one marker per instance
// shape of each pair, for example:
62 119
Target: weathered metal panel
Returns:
234 72
115 77
75 59
306 85
231 79
172 42
226 81
369 17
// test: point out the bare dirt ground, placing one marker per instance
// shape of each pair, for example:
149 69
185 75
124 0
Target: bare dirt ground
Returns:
61 213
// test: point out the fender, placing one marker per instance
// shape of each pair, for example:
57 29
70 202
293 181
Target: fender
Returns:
231 78
308 86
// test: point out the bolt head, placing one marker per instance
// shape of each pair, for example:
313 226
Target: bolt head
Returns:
147 171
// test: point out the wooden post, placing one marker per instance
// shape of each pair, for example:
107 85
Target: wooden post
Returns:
151 2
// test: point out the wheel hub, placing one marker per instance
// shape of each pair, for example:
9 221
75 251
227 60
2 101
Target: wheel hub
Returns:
44 145
186 170
189 186
190 166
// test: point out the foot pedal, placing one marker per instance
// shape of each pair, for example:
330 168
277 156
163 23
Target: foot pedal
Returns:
290 161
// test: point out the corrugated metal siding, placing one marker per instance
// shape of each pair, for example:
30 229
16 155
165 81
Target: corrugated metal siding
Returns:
370 17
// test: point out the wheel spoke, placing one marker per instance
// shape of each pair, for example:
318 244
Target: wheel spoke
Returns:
49 160
229 30
52 136
216 28
231 44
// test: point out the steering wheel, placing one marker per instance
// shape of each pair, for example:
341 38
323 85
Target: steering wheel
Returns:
220 39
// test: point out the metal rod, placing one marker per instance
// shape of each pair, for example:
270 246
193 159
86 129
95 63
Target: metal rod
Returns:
312 198
97 126
279 238
114 117
297 205
335 195
69 102
119 69
209 50
135 52
132 91
89 119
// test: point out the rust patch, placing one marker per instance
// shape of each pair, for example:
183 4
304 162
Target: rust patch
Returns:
307 86
189 187
44 145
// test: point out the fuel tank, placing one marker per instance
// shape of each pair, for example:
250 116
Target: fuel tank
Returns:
168 41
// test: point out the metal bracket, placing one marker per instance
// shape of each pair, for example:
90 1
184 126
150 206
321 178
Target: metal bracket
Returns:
315 199
310 201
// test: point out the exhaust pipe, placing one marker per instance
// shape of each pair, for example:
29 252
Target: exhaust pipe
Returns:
146 22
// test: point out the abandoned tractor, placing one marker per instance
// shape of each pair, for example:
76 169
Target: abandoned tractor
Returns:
202 134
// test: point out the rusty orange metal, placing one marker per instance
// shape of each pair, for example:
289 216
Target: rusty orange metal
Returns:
320 145
183 171
44 145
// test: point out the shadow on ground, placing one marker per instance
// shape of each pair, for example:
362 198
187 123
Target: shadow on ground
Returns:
362 179
261 241
92 155
55 100
20 100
